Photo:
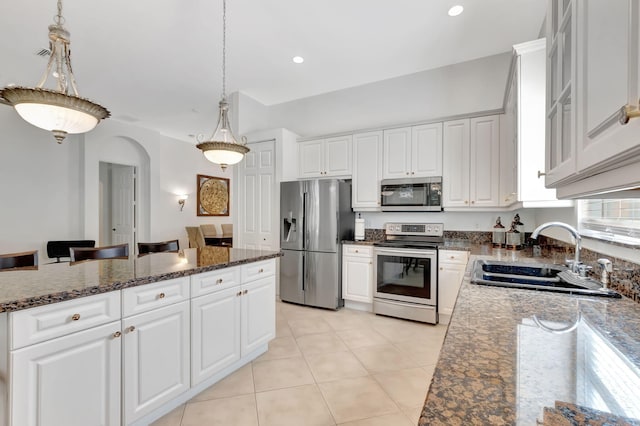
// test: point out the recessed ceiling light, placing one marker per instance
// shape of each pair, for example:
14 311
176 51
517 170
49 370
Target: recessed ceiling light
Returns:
456 10
298 59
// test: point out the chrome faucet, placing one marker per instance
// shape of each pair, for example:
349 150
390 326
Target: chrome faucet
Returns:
575 267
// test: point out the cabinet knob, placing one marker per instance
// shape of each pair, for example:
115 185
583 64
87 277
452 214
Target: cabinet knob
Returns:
260 270
412 173
540 174
441 268
466 202
130 329
245 292
161 296
239 293
219 281
75 317
452 257
116 334
370 263
356 251
628 112
473 202
407 173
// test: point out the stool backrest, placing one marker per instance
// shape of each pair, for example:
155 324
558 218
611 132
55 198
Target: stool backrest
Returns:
162 246
27 260
120 251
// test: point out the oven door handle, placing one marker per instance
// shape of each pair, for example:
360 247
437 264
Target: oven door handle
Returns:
406 252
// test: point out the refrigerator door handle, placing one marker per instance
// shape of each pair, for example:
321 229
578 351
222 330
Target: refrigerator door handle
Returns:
305 234
304 270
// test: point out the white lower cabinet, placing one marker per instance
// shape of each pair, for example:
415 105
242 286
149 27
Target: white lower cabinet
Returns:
230 324
357 273
215 333
155 359
452 264
72 380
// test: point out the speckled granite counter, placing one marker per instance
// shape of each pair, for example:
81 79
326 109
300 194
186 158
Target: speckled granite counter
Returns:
522 357
56 282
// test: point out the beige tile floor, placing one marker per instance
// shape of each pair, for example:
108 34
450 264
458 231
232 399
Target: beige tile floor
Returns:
347 368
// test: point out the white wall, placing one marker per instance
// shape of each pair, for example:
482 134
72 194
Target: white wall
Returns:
51 191
462 88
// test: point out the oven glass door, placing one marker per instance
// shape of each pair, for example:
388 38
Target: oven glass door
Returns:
407 275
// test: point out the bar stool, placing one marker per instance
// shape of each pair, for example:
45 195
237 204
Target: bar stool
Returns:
27 260
162 246
120 251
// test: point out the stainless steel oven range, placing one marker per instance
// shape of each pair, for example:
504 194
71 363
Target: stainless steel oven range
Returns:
406 271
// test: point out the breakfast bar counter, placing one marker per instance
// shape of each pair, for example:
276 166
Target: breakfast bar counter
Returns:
57 282
524 357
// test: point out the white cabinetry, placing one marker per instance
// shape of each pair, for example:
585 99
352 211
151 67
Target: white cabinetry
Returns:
367 171
357 273
413 151
471 163
325 157
593 58
156 345
233 317
72 375
523 136
452 265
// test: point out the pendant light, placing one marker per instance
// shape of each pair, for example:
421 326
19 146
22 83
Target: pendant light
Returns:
223 148
60 110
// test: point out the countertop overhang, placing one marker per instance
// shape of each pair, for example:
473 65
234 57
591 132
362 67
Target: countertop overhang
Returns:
56 282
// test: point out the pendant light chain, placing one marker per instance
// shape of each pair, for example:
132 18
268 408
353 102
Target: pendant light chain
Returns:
59 19
224 49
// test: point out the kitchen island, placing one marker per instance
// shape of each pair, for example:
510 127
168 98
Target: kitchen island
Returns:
523 357
124 341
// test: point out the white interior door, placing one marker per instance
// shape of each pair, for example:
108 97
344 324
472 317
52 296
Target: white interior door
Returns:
122 205
257 188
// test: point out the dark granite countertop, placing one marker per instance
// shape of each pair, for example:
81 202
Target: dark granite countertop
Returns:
57 282
523 357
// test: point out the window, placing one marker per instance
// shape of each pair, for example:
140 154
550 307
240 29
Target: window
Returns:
615 220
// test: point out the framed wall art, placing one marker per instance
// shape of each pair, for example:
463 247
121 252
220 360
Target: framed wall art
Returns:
213 196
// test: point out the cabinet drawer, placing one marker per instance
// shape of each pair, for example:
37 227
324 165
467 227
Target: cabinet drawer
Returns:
209 282
58 319
453 256
151 296
254 271
357 250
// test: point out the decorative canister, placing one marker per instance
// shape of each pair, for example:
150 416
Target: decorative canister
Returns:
498 235
520 228
513 238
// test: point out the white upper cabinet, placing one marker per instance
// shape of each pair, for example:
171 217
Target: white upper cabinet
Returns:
325 157
592 96
561 92
367 171
471 170
523 136
413 151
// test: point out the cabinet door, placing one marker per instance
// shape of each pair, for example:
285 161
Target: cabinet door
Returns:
156 359
367 170
560 159
450 278
608 80
258 314
215 333
484 183
72 380
396 161
455 173
311 158
357 279
426 150
337 160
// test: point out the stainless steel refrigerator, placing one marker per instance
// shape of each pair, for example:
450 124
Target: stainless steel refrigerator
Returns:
315 216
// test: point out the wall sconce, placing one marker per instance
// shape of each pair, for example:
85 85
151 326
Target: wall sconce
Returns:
181 200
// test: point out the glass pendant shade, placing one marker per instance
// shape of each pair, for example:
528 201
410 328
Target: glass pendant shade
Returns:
223 148
60 111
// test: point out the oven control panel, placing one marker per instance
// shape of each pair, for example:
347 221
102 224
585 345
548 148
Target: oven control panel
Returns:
424 229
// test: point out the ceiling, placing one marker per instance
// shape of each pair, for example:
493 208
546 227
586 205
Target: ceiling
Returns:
158 63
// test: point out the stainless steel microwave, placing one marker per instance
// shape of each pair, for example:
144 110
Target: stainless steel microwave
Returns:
411 195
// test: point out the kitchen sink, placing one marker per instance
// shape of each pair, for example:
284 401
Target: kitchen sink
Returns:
536 276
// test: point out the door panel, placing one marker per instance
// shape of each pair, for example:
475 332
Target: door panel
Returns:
122 202
321 273
257 181
291 215
321 231
291 270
